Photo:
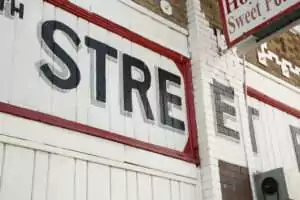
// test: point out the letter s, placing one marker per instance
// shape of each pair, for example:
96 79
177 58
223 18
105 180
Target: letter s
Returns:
48 30
231 24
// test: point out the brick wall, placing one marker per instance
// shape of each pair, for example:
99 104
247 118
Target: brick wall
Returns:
210 67
212 12
286 45
178 15
285 49
222 110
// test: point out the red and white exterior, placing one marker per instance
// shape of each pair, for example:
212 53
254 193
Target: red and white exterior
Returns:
61 145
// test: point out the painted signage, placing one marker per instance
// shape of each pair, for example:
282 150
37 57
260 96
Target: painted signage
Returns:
242 18
81 72
225 112
136 77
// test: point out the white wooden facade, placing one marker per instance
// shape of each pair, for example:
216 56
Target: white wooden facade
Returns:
272 126
41 161
37 171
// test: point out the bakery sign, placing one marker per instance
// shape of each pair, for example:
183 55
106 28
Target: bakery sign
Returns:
65 66
243 18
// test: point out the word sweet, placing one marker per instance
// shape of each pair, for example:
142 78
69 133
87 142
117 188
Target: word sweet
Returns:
243 15
251 14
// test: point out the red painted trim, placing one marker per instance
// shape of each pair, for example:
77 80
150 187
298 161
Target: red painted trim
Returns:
253 30
223 18
117 29
74 126
192 145
190 153
272 102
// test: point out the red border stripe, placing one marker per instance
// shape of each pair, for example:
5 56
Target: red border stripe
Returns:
74 126
272 102
117 29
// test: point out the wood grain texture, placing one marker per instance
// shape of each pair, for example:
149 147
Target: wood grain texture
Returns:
13 177
40 177
274 141
78 106
47 175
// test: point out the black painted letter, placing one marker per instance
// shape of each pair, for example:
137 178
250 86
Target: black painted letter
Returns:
2 5
14 9
252 112
48 30
165 98
295 135
222 107
101 51
129 84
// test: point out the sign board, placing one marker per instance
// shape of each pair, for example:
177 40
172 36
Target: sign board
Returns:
243 18
66 66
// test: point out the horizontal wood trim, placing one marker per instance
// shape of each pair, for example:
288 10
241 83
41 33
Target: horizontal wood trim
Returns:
272 102
75 126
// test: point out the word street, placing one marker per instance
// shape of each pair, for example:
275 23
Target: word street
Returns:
127 63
